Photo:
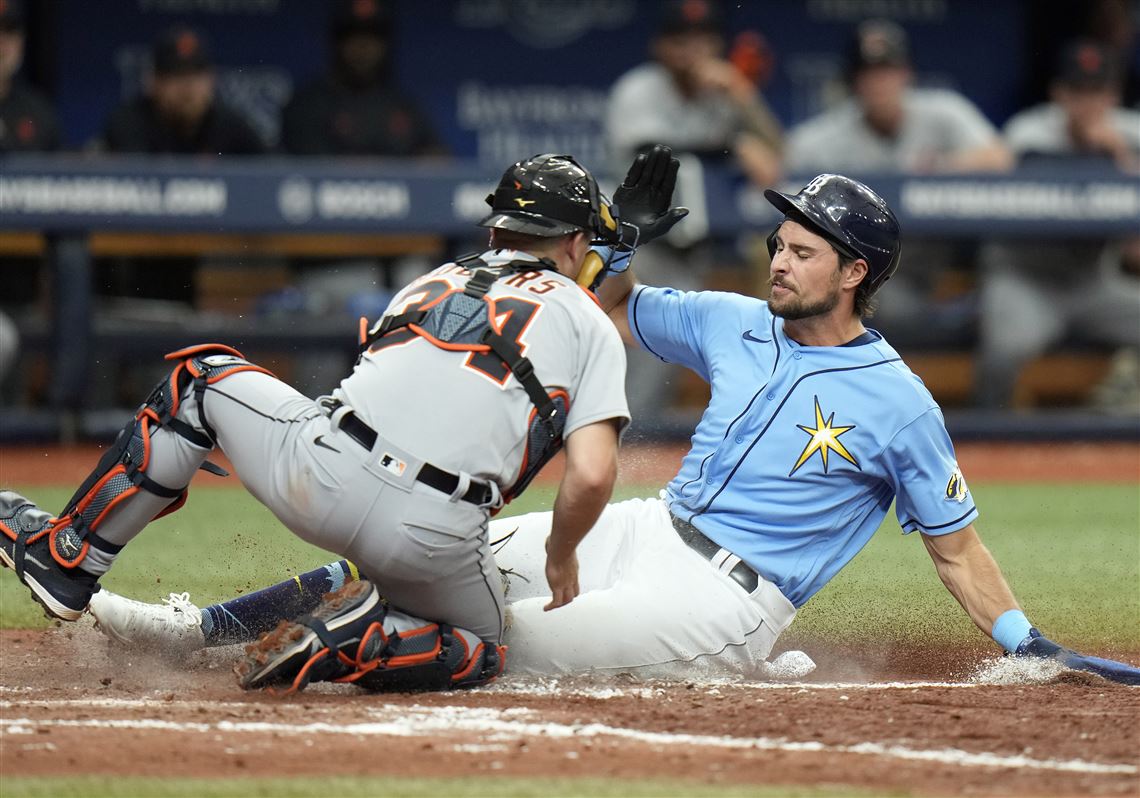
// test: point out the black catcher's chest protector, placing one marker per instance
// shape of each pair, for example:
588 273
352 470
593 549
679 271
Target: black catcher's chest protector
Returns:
463 321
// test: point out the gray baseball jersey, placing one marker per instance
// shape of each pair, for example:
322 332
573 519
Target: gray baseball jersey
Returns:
362 495
938 122
645 106
463 411
1044 129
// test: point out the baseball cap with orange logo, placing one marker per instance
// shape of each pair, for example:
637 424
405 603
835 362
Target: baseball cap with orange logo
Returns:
878 43
181 50
1086 64
361 16
691 16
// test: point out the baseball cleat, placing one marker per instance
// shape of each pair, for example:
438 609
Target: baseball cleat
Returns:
173 627
27 546
296 651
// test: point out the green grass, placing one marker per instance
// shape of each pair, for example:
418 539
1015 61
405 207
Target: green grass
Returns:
116 787
1070 552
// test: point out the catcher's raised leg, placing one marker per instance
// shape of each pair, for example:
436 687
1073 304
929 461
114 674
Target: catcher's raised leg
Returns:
144 475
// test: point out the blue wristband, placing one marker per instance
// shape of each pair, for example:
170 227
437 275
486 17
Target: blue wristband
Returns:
1010 629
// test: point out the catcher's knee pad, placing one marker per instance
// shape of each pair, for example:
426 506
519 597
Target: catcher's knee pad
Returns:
198 367
121 472
355 637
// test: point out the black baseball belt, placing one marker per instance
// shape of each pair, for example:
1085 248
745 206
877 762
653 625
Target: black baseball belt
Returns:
479 493
741 573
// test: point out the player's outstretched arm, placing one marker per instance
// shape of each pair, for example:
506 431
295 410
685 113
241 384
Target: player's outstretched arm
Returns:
587 484
644 203
970 573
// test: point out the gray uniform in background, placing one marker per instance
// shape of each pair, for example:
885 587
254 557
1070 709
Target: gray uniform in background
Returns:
1037 293
937 123
645 106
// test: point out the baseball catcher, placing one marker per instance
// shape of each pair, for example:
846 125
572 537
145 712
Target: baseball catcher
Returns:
385 471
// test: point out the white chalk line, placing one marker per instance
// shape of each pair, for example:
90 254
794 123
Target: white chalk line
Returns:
508 725
551 686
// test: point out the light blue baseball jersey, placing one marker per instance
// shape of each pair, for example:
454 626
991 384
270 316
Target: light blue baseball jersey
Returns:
801 450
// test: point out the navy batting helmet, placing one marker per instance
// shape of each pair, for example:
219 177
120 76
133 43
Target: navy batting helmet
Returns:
550 195
851 216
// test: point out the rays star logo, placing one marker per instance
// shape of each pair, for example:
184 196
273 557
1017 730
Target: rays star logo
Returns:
824 438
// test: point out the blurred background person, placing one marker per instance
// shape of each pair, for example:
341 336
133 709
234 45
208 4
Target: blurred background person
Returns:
1036 293
177 113
691 98
27 119
1050 26
27 124
180 112
887 124
354 109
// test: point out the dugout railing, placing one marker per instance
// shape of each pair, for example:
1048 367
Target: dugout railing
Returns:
70 209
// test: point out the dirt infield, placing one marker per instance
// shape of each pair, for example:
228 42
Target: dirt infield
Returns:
887 719
1068 734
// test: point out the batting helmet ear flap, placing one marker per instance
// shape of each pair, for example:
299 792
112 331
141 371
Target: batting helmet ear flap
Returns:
771 241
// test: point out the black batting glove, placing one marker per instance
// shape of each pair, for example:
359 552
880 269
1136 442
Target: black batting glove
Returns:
1036 645
644 197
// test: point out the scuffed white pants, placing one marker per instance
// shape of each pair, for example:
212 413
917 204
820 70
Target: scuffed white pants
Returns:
649 604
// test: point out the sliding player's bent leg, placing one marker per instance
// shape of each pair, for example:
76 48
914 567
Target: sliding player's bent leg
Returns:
658 609
176 626
244 618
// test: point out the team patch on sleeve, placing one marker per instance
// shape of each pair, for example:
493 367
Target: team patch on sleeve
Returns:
956 490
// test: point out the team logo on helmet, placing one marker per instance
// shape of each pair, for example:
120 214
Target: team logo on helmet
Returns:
824 438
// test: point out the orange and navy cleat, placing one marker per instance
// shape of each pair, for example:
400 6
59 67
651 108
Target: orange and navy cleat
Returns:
44 552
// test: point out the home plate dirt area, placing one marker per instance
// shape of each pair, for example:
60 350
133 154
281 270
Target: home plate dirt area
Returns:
892 720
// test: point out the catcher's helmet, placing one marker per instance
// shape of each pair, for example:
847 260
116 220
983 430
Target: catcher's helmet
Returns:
851 216
550 195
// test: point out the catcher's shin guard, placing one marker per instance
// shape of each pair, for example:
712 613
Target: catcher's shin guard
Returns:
355 637
122 471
